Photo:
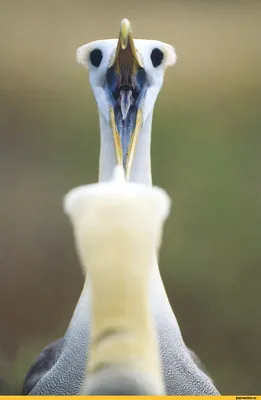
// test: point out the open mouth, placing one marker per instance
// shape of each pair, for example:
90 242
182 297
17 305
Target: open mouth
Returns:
125 87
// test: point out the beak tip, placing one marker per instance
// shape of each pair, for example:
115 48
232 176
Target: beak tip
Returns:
125 29
125 23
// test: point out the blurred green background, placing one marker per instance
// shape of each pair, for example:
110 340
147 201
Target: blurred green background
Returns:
206 152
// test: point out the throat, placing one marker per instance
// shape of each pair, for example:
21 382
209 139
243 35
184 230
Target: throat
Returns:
141 167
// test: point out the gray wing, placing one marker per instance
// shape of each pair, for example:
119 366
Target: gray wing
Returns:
46 360
61 367
49 356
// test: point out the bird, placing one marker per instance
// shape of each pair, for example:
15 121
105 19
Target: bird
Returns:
126 76
123 350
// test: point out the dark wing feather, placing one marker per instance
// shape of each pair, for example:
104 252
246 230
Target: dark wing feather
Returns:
43 364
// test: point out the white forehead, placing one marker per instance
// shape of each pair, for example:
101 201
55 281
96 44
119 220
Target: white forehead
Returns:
143 47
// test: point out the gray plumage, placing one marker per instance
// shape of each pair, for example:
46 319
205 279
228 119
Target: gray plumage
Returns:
61 367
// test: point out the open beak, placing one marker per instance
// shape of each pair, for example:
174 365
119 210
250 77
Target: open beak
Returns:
126 118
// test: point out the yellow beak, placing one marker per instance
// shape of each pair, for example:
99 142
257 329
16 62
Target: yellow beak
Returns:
125 51
126 64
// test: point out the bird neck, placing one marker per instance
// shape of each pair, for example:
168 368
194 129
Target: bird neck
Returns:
141 167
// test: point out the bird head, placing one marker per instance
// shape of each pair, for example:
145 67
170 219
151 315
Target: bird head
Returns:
126 76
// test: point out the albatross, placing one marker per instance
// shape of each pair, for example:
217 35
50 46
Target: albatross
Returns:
123 350
126 76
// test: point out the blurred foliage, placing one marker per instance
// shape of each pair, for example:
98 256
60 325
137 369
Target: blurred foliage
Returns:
205 153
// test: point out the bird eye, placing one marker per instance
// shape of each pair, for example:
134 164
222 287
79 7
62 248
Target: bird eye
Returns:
156 57
96 57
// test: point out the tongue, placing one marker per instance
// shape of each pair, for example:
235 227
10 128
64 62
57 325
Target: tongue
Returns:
125 102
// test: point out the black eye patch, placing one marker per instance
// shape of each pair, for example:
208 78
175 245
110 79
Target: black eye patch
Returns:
156 57
96 57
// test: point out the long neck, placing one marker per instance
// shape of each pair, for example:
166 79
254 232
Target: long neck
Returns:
122 323
141 167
